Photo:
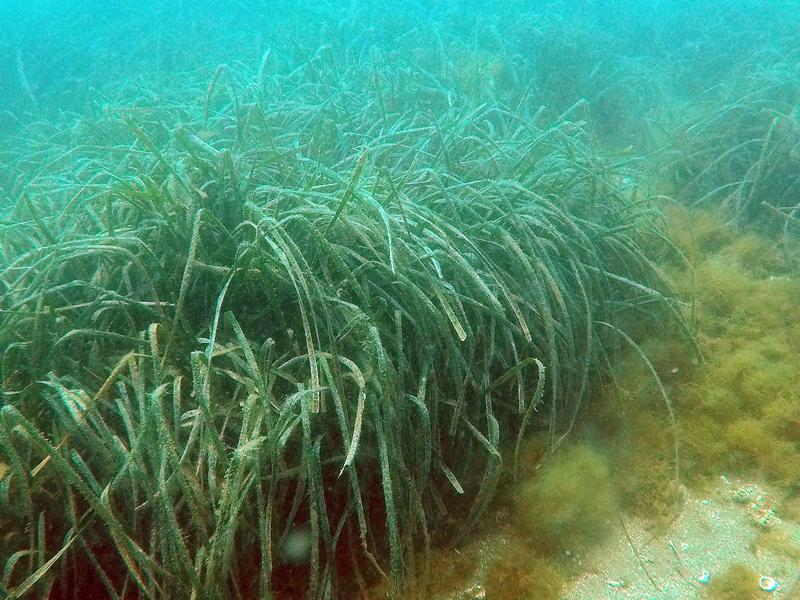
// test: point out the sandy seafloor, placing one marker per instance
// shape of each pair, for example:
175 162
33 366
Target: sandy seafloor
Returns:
714 530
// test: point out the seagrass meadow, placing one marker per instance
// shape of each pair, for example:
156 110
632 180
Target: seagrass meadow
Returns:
300 301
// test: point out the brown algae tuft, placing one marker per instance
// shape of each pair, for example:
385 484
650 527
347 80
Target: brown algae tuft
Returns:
738 582
517 576
570 502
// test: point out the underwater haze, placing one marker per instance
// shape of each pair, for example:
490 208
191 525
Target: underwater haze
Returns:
430 299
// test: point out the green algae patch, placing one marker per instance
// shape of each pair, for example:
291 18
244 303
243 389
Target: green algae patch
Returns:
638 436
738 582
738 411
570 503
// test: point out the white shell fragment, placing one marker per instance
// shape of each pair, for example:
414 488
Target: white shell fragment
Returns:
704 578
768 584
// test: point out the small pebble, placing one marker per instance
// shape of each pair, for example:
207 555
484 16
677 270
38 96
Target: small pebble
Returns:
768 584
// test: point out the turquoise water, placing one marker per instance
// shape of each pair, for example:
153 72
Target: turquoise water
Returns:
287 289
66 56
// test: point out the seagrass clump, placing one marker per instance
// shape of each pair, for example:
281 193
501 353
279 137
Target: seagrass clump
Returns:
294 309
735 146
